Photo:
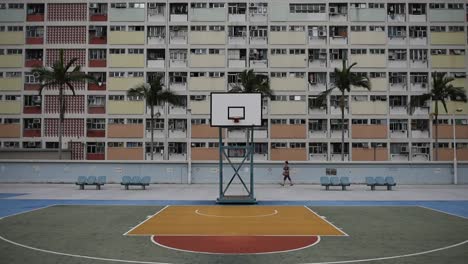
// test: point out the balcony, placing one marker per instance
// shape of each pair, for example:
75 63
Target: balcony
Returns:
289 154
10 107
126 14
288 108
369 131
240 63
12 38
125 131
207 37
127 38
288 84
370 154
35 40
35 13
368 38
125 107
30 132
97 12
96 133
123 84
369 60
207 60
127 60
12 15
288 61
180 63
10 130
205 153
93 63
207 84
448 61
97 109
11 84
288 38
125 153
288 131
31 63
98 40
447 38
95 156
369 108
97 86
36 109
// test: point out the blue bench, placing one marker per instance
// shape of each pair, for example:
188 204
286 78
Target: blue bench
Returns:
90 180
135 181
389 182
335 181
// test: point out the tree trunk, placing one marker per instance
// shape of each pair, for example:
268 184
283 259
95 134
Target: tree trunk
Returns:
152 132
61 118
342 124
436 117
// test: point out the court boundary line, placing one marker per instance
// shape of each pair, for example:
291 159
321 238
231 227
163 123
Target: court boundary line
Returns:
440 211
275 212
148 218
233 254
28 211
324 219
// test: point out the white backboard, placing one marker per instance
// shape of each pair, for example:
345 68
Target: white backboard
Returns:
225 108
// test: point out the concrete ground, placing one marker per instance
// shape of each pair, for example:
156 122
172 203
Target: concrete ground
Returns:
207 192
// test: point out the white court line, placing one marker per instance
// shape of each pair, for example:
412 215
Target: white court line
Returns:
429 208
233 254
32 210
148 218
236 216
327 221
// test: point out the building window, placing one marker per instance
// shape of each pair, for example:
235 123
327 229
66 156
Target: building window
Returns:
95 124
306 8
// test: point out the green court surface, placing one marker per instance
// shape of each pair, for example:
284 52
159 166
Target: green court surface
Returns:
95 234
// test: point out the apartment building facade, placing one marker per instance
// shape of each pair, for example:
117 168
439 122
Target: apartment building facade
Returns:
201 46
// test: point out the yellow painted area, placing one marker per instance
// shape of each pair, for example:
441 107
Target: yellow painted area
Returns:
369 108
207 60
288 84
448 38
288 38
200 107
452 108
10 107
210 38
123 84
368 38
460 82
127 38
11 84
11 38
448 61
369 60
11 61
127 60
207 84
236 221
288 61
125 107
288 108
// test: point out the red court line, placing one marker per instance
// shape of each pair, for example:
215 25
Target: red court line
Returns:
236 244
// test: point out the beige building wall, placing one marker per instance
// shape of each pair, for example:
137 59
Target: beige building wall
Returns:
288 61
207 37
368 38
123 84
445 154
369 154
10 107
369 61
369 108
207 60
127 60
288 108
126 38
11 84
200 107
205 131
125 131
287 38
10 130
207 84
461 131
288 84
452 107
125 107
447 38
205 154
125 153
12 38
288 131
369 131
448 61
460 82
11 61
289 154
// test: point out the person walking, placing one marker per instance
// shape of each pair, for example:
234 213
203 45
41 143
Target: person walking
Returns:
286 173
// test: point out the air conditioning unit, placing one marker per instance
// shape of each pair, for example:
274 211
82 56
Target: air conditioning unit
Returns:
333 10
322 34
404 149
31 144
152 5
423 85
93 5
252 4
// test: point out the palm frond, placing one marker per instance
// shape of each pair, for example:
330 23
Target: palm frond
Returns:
416 101
70 86
322 97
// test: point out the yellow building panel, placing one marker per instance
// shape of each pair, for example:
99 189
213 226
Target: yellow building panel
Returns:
10 130
200 107
207 84
288 61
11 61
207 60
288 108
448 61
11 84
125 107
123 84
10 107
460 82
368 38
287 38
288 84
125 153
126 38
379 84
369 61
210 38
369 108
127 60
452 108
12 38
448 38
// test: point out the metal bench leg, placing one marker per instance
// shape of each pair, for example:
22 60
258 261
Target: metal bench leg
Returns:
343 188
143 187
126 187
373 187
327 187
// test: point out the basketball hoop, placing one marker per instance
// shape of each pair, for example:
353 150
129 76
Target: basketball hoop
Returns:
236 119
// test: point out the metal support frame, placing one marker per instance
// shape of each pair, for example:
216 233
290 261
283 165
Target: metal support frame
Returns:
223 153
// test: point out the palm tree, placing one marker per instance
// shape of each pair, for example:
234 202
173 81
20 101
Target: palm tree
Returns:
62 75
344 79
154 94
440 92
250 82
